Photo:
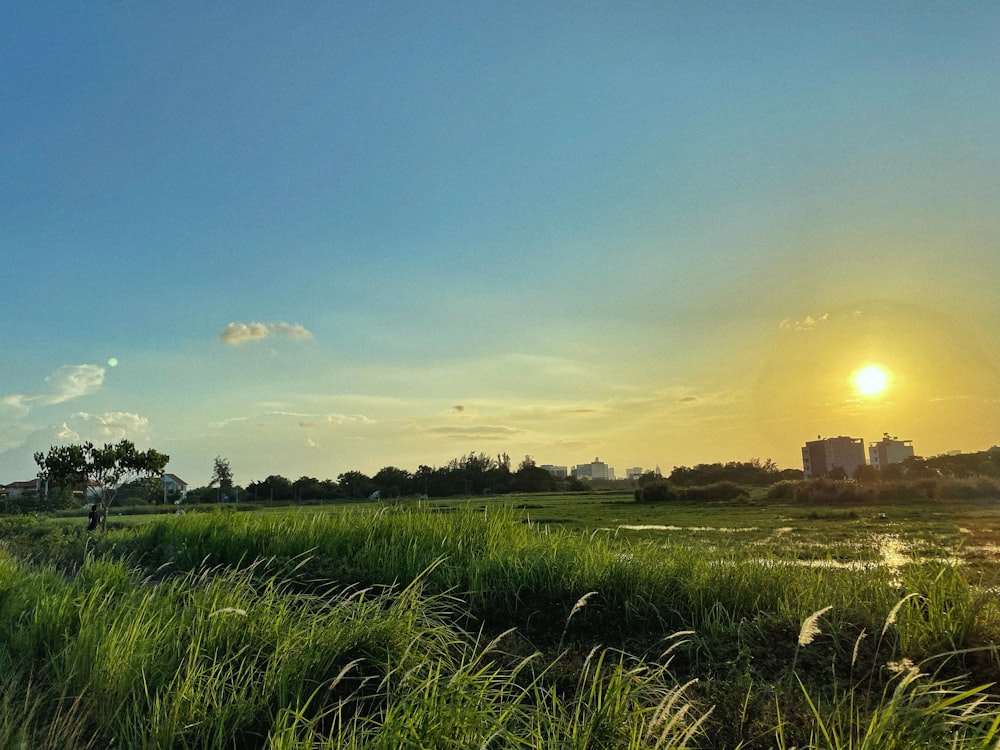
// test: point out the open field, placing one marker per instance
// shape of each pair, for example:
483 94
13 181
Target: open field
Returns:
575 621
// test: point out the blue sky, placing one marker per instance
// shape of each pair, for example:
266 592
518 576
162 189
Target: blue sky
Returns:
314 238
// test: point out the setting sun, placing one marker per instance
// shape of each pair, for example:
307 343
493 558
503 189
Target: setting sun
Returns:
871 380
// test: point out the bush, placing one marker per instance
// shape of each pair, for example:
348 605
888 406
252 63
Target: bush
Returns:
716 491
657 492
968 489
784 490
662 492
825 490
833 491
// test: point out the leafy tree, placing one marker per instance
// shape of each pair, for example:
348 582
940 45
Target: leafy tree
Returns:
753 472
145 490
530 477
647 478
222 476
355 484
426 481
275 487
865 473
310 488
108 467
391 482
837 473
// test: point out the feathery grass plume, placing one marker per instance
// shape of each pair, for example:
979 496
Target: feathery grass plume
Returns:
580 604
857 644
891 617
679 640
809 628
229 610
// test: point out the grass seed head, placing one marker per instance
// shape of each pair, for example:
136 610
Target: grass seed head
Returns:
810 629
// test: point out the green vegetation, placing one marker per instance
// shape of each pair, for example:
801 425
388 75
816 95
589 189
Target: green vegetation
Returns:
563 620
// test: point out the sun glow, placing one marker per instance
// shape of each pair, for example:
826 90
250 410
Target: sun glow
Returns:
871 380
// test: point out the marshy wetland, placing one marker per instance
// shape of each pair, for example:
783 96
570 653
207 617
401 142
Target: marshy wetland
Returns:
564 621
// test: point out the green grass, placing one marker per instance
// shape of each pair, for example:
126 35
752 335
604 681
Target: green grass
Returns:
520 622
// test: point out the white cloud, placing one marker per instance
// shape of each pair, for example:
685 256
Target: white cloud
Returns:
806 324
313 420
226 422
236 334
16 403
65 384
67 433
113 425
73 381
482 432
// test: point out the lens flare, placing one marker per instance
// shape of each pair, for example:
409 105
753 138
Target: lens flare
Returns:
871 380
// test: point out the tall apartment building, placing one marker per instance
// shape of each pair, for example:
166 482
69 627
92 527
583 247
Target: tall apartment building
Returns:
559 472
889 450
596 469
820 456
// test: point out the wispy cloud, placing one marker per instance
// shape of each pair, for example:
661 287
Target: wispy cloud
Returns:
66 383
73 381
227 421
312 420
481 432
236 334
806 324
113 425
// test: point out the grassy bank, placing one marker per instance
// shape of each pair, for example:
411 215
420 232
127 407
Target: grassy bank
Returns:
364 624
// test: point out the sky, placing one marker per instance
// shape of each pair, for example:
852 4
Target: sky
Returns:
313 238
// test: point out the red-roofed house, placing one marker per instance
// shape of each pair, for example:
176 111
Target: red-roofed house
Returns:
15 489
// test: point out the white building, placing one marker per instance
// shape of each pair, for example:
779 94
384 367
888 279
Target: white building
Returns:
596 469
823 455
174 485
559 472
889 450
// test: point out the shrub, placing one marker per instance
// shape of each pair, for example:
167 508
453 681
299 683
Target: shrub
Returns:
658 492
716 491
968 489
784 490
833 491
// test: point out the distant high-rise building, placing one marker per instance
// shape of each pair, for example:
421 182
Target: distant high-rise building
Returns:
559 472
821 456
634 473
596 469
889 450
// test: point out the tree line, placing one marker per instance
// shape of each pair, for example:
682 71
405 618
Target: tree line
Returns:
121 473
470 474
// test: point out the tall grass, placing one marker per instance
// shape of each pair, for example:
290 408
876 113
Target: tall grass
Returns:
351 630
510 573
232 658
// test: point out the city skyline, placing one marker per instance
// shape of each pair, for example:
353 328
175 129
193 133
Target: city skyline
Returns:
322 239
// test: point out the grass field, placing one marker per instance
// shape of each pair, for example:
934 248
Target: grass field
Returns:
568 621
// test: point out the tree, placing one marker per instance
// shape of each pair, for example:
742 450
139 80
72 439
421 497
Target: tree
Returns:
146 490
355 484
391 481
275 487
311 488
222 476
99 470
530 477
865 473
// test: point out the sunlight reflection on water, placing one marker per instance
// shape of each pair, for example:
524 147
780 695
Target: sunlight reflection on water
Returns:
658 527
894 552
